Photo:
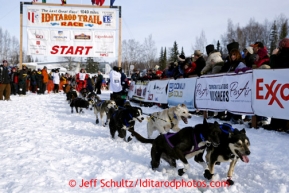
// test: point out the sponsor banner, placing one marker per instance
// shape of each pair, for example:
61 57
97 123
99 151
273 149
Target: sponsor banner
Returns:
156 91
271 93
231 92
140 90
104 43
182 91
65 17
37 41
71 43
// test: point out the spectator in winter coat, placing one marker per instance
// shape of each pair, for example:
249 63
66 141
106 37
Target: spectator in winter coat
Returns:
45 79
262 58
39 81
99 82
23 76
89 83
214 61
4 81
33 81
250 57
135 76
200 62
14 81
56 80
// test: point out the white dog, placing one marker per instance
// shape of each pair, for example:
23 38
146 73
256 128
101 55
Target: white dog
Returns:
168 119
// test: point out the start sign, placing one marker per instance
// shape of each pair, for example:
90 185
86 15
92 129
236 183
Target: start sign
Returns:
71 50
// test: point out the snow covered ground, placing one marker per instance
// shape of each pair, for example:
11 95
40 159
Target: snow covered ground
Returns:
45 148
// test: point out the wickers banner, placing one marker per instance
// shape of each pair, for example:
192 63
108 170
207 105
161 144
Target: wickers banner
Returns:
271 93
80 18
71 43
231 92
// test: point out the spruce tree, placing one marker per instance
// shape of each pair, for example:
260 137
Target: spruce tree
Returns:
174 52
284 30
273 37
91 66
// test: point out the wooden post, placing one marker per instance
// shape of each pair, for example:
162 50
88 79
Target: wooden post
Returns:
119 39
205 114
21 34
254 121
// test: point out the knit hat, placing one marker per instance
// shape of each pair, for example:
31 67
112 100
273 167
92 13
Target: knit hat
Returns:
249 49
210 48
284 43
233 45
181 57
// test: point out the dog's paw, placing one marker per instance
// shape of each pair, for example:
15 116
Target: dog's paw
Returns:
181 172
96 121
208 174
129 139
230 182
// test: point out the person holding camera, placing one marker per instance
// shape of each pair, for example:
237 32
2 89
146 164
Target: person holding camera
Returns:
4 81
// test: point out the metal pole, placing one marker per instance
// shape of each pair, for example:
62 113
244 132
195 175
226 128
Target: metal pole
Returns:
119 39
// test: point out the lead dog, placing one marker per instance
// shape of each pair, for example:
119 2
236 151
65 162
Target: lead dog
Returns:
168 119
102 107
188 142
234 145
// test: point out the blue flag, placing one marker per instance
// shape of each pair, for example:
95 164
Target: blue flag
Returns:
111 2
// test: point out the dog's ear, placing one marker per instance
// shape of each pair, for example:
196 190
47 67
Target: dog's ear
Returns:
205 121
243 131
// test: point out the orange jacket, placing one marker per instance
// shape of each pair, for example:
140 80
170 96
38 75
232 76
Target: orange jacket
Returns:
45 75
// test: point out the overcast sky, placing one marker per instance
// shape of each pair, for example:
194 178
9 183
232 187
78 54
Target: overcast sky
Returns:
170 20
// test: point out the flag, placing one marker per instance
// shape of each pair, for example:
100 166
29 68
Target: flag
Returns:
97 2
112 2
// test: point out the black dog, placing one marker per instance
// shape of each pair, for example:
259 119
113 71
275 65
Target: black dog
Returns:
71 94
234 145
79 103
123 119
186 143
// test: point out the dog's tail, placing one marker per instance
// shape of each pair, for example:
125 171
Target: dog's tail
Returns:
139 137
97 99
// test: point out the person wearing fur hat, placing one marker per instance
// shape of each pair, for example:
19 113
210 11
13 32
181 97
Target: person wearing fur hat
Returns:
4 81
214 61
227 65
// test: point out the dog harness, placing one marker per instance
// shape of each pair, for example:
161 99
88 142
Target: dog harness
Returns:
225 127
175 117
196 148
100 103
125 121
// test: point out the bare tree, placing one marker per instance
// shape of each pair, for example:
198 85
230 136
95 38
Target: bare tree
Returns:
200 42
6 45
149 51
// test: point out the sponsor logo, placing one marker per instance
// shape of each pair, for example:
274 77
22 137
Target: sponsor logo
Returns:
275 92
82 37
